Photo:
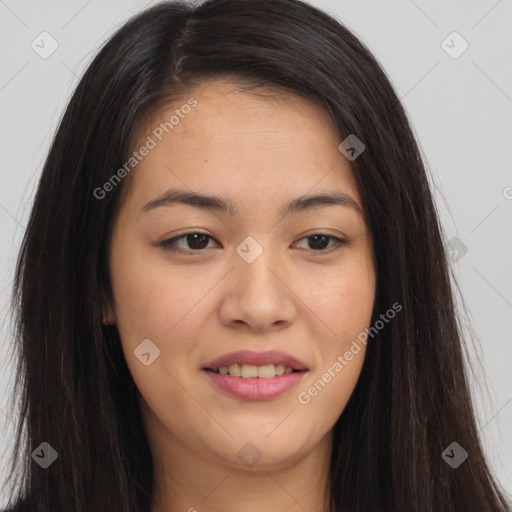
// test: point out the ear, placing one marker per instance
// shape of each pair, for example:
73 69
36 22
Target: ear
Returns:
109 315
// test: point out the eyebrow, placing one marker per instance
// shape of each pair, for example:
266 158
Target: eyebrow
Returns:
225 205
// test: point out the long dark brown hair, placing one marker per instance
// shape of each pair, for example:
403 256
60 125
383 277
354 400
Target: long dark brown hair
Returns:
76 393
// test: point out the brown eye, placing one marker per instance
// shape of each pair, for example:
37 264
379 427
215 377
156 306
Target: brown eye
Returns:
194 242
197 240
319 242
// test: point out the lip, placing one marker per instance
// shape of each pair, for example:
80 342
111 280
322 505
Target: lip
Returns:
257 359
255 388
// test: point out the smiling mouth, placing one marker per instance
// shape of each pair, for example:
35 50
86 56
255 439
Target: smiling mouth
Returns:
249 371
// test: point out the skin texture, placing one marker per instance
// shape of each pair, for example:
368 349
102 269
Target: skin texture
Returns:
309 299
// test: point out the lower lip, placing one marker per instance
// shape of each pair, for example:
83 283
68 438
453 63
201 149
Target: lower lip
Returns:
255 388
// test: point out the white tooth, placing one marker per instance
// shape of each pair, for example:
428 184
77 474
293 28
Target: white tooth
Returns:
248 371
234 370
279 369
266 371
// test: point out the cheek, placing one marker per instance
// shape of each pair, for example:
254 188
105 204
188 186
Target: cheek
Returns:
350 308
158 302
345 308
348 311
343 302
152 297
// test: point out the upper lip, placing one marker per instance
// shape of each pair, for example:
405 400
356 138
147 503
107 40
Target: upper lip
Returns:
255 358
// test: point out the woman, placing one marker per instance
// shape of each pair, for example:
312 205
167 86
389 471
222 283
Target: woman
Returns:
233 292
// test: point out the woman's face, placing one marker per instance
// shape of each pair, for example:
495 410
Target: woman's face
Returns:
254 276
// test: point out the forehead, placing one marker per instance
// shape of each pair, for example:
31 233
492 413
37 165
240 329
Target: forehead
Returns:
241 143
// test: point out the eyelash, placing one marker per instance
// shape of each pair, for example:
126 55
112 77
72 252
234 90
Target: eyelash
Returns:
167 244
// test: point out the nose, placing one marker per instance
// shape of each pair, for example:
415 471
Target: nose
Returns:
259 296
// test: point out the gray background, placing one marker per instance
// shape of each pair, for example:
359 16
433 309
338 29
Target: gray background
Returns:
460 108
